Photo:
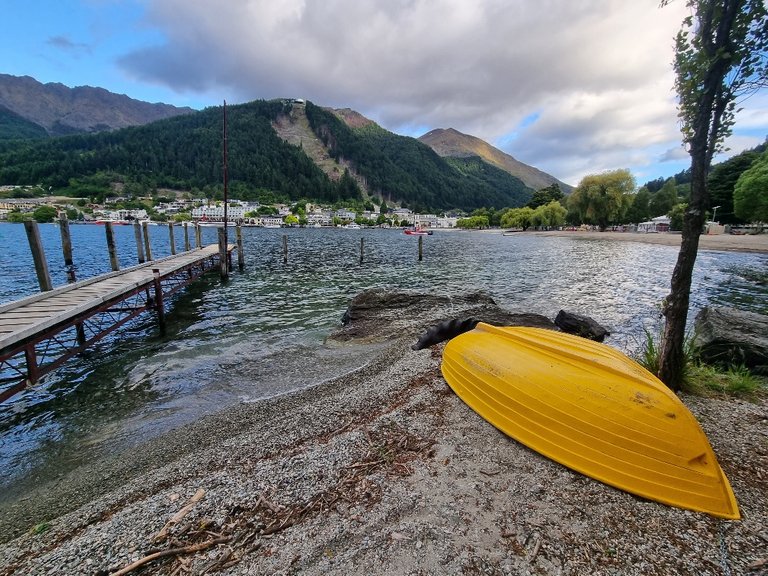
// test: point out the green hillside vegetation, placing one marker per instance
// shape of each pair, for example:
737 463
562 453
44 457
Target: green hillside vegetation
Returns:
185 153
14 127
402 169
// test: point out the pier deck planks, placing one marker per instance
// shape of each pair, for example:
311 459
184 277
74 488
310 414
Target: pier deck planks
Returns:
26 318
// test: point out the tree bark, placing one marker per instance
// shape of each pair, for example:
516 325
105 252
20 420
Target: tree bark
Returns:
711 100
672 361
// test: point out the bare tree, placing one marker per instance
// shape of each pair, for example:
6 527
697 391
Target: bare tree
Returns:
720 57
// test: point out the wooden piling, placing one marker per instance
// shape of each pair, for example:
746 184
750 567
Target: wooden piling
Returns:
361 250
198 236
172 239
139 244
111 246
66 246
285 249
421 244
38 255
223 253
159 307
186 236
240 254
147 245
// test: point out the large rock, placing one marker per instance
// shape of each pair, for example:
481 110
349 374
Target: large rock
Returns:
583 326
731 337
378 314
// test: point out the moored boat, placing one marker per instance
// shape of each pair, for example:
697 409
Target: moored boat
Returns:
416 232
592 409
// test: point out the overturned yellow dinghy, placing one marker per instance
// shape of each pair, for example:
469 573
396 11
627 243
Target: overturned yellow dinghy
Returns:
591 408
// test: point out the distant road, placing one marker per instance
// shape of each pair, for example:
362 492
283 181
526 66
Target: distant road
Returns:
727 242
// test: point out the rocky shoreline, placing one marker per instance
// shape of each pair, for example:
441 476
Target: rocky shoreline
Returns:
381 471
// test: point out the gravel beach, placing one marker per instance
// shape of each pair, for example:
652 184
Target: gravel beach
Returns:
725 242
380 471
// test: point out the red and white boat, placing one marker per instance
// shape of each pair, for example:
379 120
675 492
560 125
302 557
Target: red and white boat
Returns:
416 232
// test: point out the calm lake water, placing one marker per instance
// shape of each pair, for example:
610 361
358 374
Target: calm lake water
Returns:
261 333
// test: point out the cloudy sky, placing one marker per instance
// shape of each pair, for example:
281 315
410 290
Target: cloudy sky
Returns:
572 87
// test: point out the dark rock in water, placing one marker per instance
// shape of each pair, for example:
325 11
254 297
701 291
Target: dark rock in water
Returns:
583 326
378 314
445 330
730 337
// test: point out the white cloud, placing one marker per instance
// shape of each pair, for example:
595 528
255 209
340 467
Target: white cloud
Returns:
596 72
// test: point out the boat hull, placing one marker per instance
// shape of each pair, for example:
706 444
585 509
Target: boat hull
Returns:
592 409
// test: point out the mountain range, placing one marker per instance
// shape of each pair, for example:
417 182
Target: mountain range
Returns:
60 110
286 147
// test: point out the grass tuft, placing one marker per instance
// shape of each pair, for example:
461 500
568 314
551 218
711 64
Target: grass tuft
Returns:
698 378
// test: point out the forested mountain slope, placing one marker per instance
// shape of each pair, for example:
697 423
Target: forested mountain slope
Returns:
453 144
402 169
185 152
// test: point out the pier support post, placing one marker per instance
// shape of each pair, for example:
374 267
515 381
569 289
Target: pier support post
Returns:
285 249
111 246
139 245
240 255
198 236
421 244
38 255
66 246
361 250
186 236
171 237
147 245
223 253
159 306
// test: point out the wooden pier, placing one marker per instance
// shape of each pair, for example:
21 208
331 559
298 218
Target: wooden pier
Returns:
39 333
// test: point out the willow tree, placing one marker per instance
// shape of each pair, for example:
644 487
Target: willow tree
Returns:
604 198
720 56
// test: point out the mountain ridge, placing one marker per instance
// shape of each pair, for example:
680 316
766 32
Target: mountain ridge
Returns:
449 142
62 110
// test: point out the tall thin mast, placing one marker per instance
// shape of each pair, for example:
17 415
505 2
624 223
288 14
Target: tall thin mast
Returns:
226 200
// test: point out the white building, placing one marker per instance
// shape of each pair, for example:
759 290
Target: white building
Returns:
216 213
658 224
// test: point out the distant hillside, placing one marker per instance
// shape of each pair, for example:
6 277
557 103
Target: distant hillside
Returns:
403 170
277 151
60 110
453 144
14 126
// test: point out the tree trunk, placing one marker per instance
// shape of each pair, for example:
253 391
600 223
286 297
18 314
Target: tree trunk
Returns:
672 360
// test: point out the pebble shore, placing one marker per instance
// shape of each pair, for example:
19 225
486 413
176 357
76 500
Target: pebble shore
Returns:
380 471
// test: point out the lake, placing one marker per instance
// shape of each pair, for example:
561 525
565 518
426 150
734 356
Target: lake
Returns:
261 333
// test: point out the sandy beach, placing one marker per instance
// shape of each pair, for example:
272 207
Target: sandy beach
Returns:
380 471
726 242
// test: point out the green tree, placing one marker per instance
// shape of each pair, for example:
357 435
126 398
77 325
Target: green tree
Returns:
721 53
676 215
639 209
545 196
517 218
44 214
662 201
291 220
750 195
549 215
17 216
721 184
602 199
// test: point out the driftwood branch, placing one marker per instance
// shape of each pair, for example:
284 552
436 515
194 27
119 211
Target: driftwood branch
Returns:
171 552
176 518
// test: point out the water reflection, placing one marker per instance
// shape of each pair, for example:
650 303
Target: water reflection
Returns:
261 333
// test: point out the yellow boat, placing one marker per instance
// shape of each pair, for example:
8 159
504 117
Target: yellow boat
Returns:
591 408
